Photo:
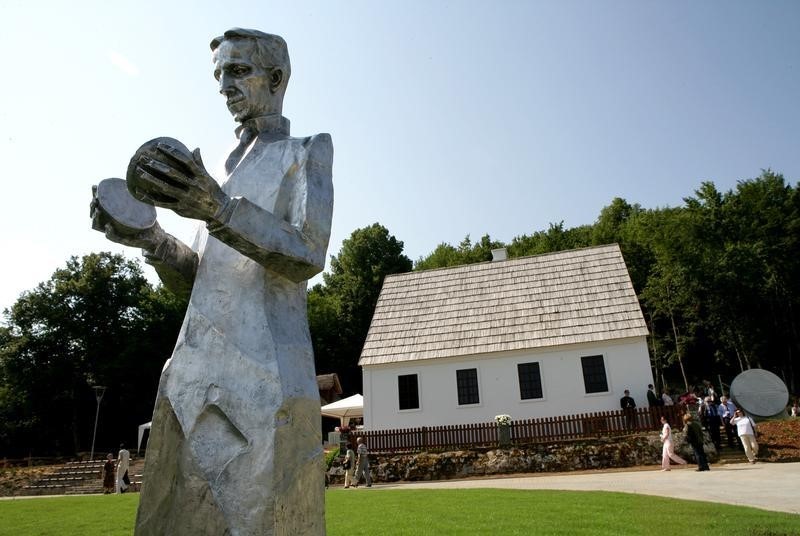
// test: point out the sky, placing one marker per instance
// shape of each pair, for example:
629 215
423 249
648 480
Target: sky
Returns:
448 118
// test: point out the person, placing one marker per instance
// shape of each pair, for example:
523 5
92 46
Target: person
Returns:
668 448
628 406
349 466
666 400
652 397
123 462
694 436
362 464
726 411
627 402
233 446
688 399
710 418
708 390
109 476
746 429
795 410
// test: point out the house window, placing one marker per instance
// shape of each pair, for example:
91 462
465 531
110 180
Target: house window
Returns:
530 381
594 374
408 391
467 383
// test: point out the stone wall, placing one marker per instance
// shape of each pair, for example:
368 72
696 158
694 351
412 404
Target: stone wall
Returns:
630 451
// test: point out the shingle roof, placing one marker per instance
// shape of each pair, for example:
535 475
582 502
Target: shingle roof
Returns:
576 296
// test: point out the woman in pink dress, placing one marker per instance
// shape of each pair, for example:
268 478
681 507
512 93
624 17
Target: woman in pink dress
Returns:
668 450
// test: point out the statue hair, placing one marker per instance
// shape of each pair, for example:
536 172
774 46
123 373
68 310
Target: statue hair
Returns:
270 50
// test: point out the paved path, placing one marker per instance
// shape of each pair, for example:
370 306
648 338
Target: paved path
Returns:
770 486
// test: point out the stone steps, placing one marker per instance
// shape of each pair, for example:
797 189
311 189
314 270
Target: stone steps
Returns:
80 478
732 455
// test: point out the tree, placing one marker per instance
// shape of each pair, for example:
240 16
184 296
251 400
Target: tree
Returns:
610 224
556 238
466 253
340 310
96 321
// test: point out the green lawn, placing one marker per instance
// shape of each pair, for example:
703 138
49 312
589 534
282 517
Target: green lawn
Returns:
439 512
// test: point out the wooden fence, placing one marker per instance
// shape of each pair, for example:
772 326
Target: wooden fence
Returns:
523 432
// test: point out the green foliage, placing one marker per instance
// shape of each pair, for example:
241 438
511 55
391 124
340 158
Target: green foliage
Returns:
466 253
613 219
436 512
329 457
97 321
723 282
718 278
556 238
340 310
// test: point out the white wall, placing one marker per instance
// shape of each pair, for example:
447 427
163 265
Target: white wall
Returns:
627 366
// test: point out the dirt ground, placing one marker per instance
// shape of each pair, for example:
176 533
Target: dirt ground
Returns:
779 441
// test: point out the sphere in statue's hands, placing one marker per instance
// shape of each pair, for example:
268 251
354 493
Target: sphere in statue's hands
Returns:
165 173
158 172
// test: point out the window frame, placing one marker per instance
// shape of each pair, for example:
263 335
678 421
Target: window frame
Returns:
586 379
400 397
477 387
520 383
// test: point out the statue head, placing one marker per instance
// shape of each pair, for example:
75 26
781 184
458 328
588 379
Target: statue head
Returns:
253 70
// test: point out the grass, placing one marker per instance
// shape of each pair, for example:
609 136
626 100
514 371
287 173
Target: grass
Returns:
89 515
439 512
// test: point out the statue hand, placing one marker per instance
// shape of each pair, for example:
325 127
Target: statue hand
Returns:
148 239
175 179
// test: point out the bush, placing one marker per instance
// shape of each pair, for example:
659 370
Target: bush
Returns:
329 457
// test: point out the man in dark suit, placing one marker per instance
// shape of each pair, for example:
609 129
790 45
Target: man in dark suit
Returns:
628 406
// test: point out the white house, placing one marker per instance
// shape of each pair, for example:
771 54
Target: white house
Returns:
539 336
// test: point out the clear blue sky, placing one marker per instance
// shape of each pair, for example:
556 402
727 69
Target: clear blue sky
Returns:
448 118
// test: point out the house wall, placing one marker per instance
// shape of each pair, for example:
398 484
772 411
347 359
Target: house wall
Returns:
627 365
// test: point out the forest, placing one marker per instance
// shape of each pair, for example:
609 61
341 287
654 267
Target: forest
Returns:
717 279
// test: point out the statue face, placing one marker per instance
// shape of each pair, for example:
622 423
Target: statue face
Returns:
245 85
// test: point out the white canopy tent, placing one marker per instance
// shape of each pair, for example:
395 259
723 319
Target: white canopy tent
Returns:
142 428
344 409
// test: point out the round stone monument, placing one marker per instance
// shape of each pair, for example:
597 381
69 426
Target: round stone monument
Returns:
760 392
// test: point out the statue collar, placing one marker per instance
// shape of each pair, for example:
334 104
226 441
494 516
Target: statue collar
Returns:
273 123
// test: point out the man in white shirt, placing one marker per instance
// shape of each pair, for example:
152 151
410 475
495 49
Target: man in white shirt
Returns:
747 434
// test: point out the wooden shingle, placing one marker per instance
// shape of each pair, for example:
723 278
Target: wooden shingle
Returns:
568 297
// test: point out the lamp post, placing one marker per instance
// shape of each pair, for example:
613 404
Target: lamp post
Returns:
99 391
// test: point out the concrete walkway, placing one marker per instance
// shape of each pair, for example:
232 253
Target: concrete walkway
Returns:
770 486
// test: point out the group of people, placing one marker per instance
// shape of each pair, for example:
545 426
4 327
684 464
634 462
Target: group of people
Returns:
654 400
115 476
356 465
713 418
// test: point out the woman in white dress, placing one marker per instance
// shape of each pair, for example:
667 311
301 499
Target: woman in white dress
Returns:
668 450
